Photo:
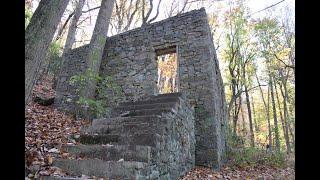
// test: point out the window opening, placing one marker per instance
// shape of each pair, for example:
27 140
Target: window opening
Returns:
167 71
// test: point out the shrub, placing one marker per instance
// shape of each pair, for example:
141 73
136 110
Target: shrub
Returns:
254 156
53 58
27 16
106 89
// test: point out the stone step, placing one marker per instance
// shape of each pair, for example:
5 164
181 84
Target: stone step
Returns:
145 112
120 128
98 139
176 94
151 101
125 125
143 139
121 109
123 128
104 125
110 152
102 121
62 178
101 168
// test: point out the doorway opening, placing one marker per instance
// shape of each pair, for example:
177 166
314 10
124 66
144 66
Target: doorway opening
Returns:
167 61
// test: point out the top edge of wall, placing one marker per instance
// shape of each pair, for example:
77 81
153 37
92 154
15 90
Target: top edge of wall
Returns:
201 11
158 23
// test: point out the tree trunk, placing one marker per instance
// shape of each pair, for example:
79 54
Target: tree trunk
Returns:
266 107
280 111
286 114
291 133
97 44
244 129
70 37
275 119
174 84
73 27
256 125
268 118
283 119
250 116
235 116
248 105
38 37
233 100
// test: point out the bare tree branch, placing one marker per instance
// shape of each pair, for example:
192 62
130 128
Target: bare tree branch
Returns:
82 21
132 15
142 11
118 14
239 93
60 32
286 65
158 7
73 27
172 8
89 10
184 6
129 9
266 8
145 19
64 26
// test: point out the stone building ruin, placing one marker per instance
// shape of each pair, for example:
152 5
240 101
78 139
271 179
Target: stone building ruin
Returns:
185 128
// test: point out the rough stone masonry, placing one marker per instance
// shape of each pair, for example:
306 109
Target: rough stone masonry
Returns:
130 58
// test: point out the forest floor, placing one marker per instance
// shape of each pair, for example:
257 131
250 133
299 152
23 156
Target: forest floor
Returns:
46 129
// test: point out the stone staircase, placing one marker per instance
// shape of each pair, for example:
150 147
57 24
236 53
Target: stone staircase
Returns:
142 140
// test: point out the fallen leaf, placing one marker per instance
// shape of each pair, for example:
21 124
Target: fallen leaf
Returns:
49 160
54 150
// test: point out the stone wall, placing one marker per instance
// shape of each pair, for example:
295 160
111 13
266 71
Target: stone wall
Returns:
74 64
130 58
177 145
